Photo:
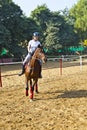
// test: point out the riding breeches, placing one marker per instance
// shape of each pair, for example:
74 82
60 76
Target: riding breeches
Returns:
27 58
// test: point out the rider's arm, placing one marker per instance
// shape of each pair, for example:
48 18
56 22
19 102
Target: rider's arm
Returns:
29 46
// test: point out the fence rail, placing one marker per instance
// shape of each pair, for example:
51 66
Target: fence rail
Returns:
61 60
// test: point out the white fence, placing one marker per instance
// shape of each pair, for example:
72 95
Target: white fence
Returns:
60 60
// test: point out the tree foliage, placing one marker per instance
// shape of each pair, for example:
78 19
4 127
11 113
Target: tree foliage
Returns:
5 38
79 16
14 27
59 29
41 15
60 33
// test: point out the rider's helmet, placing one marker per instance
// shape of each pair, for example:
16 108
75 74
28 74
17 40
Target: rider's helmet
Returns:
36 34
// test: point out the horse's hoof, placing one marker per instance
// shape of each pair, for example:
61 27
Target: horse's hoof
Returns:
37 92
26 94
31 100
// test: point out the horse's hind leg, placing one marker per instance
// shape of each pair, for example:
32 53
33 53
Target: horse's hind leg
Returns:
36 87
27 88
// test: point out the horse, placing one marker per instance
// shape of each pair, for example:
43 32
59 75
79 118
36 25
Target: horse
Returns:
33 70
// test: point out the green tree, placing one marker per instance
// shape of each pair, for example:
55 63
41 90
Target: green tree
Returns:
52 39
3 2
60 33
5 38
29 26
79 16
10 16
41 15
19 27
67 36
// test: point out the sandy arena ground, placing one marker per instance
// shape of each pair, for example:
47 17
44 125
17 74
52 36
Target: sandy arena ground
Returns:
60 105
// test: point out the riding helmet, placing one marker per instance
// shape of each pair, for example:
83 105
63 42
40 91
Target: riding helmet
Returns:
36 34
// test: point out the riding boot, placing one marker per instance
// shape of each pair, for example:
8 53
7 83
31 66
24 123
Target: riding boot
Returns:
23 70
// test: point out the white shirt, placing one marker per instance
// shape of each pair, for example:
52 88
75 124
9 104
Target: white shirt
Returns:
32 45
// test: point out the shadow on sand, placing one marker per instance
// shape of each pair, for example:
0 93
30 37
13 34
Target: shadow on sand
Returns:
73 94
63 94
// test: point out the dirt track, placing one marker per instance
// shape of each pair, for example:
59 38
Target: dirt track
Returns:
60 105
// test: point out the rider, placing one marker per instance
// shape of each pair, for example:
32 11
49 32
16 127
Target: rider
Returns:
32 45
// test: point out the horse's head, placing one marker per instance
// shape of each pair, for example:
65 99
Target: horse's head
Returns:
39 54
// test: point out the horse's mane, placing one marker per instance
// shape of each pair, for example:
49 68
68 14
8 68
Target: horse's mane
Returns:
35 54
38 49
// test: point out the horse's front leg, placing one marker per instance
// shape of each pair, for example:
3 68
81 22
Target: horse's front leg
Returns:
27 88
32 85
31 90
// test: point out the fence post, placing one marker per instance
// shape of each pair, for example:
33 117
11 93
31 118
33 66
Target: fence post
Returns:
0 78
80 62
61 66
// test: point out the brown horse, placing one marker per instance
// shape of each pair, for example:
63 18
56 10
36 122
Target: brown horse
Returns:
33 70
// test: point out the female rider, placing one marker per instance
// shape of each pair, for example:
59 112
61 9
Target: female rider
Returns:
32 45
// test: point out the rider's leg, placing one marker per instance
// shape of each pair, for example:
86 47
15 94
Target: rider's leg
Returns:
27 58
